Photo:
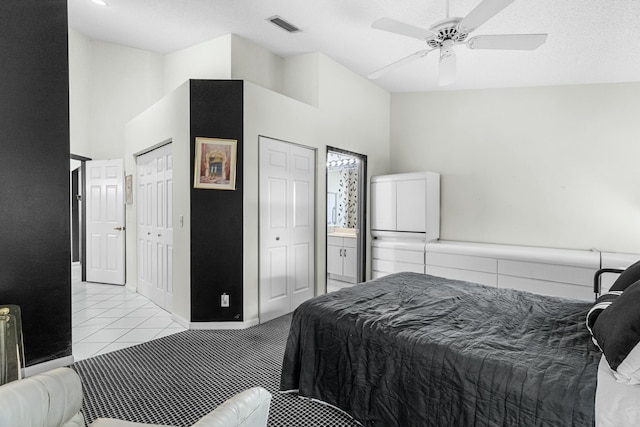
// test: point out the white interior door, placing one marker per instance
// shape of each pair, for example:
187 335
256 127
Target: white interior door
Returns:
302 226
105 221
155 225
287 227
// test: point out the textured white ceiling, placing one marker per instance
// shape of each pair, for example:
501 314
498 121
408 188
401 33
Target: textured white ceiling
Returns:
595 41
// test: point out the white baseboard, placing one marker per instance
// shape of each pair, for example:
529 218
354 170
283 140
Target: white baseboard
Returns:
214 325
48 365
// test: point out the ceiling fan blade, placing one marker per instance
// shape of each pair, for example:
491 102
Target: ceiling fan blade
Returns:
507 41
482 13
393 26
448 69
400 62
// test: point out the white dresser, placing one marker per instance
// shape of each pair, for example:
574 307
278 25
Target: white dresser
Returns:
405 224
390 255
557 272
405 214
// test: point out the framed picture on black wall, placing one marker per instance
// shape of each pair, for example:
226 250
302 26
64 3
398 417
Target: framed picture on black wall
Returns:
215 163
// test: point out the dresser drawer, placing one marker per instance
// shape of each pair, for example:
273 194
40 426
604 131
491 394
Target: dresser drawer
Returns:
543 287
465 262
547 272
396 266
412 257
489 279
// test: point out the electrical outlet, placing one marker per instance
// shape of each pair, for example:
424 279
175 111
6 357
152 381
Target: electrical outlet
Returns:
224 300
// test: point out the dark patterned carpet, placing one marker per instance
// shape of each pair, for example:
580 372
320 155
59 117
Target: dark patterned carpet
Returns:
177 379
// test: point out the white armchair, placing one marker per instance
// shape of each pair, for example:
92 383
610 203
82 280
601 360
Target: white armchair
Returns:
54 399
50 399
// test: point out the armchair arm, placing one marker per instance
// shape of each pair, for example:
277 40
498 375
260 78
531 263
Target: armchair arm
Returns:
53 398
247 409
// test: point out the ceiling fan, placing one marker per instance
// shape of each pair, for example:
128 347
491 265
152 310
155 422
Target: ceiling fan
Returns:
444 35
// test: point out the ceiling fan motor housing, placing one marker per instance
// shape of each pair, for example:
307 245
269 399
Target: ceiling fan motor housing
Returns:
447 29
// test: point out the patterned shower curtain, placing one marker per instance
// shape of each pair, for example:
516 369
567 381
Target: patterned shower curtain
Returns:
348 199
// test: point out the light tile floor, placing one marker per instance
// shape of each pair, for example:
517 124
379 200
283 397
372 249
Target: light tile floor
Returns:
108 317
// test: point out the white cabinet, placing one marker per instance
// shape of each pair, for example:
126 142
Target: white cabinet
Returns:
405 214
406 203
383 203
342 259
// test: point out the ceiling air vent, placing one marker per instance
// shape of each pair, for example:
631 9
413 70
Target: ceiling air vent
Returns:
276 20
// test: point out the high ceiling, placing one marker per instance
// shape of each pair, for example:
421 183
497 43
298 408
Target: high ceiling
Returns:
589 41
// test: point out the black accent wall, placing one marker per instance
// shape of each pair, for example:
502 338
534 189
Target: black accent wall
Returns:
216 215
35 254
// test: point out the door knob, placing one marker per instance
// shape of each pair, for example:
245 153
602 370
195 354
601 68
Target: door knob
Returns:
118 228
277 238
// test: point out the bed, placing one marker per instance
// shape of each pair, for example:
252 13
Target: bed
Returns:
417 350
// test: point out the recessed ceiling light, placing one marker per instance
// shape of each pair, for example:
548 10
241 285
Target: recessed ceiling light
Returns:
100 2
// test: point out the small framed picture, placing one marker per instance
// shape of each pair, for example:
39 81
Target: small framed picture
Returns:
215 163
128 189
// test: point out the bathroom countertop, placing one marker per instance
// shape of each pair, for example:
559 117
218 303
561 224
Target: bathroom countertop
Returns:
342 232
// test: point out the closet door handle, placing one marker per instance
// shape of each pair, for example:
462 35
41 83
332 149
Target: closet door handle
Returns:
345 252
341 252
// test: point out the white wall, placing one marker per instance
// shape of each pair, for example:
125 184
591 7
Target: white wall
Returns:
79 93
167 120
552 166
109 85
255 64
207 60
301 78
353 114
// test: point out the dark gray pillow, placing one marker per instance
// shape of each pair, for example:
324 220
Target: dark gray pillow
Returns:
603 302
617 328
627 278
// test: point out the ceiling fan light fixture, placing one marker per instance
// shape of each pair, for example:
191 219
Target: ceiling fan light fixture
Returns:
448 64
445 34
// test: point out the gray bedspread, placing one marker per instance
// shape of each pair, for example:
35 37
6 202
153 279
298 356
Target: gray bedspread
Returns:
418 350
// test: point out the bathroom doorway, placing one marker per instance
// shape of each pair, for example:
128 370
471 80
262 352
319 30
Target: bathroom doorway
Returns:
346 213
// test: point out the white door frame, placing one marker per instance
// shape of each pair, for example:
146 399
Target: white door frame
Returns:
362 210
82 213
